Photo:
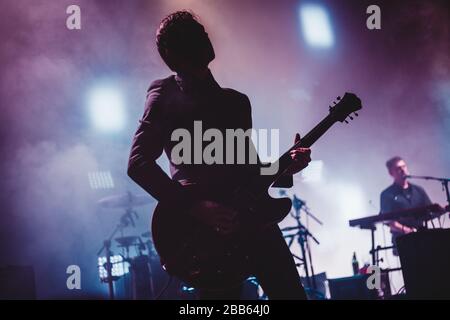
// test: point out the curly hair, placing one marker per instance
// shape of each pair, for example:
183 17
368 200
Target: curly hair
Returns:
175 34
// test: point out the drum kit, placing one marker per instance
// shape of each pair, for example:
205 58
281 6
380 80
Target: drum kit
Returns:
138 256
139 260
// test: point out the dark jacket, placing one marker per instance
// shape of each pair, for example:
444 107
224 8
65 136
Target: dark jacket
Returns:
175 103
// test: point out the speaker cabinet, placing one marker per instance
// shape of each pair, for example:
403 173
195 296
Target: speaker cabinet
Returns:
425 260
351 288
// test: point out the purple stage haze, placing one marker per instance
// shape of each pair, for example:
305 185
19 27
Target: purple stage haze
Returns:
50 218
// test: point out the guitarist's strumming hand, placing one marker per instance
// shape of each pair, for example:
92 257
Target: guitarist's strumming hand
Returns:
216 216
301 157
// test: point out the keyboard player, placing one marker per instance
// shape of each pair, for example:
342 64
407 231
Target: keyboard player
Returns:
399 196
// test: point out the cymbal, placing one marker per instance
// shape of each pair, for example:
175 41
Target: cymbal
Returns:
127 241
126 200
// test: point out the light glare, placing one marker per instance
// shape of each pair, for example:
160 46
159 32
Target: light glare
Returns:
106 106
316 26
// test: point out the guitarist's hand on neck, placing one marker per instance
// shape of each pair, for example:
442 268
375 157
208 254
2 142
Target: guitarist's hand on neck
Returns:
217 217
301 158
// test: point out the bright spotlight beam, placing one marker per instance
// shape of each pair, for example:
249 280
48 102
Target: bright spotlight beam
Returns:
107 109
316 26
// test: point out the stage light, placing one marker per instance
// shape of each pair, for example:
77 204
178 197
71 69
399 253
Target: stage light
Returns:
107 108
101 180
119 267
316 26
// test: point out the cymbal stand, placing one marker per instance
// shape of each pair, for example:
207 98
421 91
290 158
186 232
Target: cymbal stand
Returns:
302 235
125 220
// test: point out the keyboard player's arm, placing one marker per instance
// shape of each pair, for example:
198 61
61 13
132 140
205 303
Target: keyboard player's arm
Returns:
395 226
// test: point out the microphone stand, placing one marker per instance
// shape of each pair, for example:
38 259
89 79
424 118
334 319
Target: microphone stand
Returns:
302 238
443 181
302 204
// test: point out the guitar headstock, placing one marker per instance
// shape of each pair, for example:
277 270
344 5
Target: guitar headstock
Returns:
345 106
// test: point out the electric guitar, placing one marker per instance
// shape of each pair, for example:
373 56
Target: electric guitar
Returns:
200 256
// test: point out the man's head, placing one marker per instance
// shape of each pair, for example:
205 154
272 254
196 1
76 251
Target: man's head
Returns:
397 169
183 43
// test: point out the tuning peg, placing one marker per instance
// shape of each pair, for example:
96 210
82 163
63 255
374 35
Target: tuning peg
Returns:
338 97
351 118
346 121
356 113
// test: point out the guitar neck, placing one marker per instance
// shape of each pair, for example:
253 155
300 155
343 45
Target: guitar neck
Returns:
264 182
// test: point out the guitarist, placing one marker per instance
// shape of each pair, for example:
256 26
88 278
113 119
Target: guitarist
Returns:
193 95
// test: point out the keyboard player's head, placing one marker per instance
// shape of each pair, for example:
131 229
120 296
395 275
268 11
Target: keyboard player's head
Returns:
398 170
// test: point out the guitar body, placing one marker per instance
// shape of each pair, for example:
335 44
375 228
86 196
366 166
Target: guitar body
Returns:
200 256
